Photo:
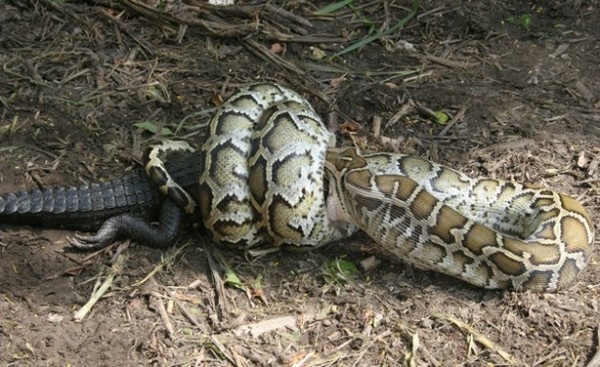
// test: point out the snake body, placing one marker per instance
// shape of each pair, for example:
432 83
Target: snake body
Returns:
490 233
262 178
270 175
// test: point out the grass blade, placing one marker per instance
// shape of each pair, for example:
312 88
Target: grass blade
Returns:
401 23
333 7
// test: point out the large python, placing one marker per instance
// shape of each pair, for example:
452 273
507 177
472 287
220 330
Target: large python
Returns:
269 174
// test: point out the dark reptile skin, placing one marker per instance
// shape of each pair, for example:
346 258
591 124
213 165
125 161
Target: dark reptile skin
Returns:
86 207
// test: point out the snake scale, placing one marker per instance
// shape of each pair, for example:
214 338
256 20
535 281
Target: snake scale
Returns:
269 174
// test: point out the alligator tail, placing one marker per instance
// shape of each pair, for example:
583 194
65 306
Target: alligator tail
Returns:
84 207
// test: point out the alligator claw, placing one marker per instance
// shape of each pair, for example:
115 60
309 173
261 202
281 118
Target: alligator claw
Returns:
84 242
134 228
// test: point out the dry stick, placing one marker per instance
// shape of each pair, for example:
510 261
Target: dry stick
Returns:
247 11
588 181
164 315
308 83
218 29
431 359
185 311
543 361
303 360
377 125
275 35
288 14
453 121
433 11
62 9
264 53
225 352
449 63
219 283
256 329
145 45
115 269
403 111
282 22
478 337
32 76
364 350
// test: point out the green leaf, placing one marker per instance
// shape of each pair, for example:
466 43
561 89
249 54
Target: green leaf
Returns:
151 127
441 117
233 280
258 282
340 271
347 268
520 21
526 21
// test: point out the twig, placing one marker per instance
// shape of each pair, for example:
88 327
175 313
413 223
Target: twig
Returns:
453 121
449 63
275 35
288 15
225 352
145 45
258 328
193 17
264 53
160 306
218 281
303 360
478 337
403 111
59 7
308 82
439 9
116 268
185 311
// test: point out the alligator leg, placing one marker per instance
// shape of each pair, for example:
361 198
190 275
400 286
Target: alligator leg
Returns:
134 228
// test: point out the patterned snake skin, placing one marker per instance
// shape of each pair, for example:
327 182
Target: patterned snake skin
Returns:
270 175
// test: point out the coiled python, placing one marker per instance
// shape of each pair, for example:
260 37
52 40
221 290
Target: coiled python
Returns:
269 174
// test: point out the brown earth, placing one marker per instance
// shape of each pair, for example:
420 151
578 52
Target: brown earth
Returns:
77 76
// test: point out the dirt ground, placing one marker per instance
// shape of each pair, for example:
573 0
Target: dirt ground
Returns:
518 80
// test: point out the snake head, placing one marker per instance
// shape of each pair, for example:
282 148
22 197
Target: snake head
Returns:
343 160
338 163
